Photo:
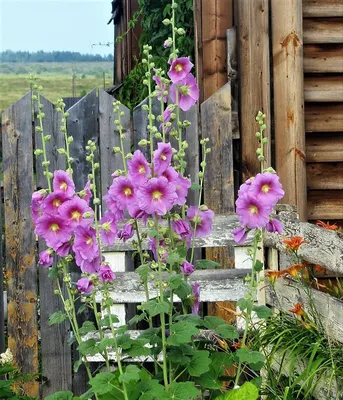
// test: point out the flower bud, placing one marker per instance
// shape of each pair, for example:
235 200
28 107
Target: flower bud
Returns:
180 31
116 149
166 22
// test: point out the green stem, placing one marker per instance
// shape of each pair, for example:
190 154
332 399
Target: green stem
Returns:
101 333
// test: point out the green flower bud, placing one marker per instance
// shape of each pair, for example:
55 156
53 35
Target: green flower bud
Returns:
260 158
70 139
116 149
166 22
145 107
180 31
61 151
96 200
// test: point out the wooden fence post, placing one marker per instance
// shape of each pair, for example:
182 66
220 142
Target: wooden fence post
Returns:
20 240
289 101
2 305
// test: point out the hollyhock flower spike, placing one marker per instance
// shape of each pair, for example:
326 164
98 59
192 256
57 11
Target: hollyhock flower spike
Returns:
252 212
196 296
62 182
53 201
106 274
85 286
274 225
108 228
86 193
73 210
182 185
268 187
86 266
187 268
188 92
85 243
163 252
139 169
36 205
45 258
126 233
240 235
162 157
64 249
179 69
201 220
160 88
123 190
166 118
112 206
181 227
54 230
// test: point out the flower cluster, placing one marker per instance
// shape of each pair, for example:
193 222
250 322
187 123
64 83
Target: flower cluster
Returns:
6 358
256 199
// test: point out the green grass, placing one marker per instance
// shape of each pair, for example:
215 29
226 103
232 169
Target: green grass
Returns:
56 79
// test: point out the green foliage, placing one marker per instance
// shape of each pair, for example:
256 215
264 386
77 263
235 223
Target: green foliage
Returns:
57 318
50 56
247 391
9 377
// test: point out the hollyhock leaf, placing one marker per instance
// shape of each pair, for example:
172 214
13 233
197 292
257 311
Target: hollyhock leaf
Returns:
182 332
151 390
61 395
137 318
195 186
204 264
124 341
249 356
139 348
220 361
152 335
212 322
155 307
209 380
194 319
246 391
131 374
87 327
227 331
57 318
82 308
53 272
143 271
183 290
88 347
72 339
200 363
106 320
244 304
263 312
258 266
183 391
77 365
173 258
174 281
103 383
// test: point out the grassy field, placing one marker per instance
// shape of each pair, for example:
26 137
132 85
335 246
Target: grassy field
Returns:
56 79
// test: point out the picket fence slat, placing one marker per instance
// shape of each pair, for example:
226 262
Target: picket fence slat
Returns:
20 240
56 353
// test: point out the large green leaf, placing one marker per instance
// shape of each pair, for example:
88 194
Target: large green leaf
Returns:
63 395
87 327
131 374
155 307
182 332
227 331
251 357
207 264
199 363
103 383
183 391
262 312
57 318
246 392
88 347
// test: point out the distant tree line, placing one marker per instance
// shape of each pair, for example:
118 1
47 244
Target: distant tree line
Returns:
51 56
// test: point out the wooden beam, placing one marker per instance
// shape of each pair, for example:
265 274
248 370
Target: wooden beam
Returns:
325 204
324 117
323 58
323 30
325 176
324 148
324 88
254 72
320 8
289 101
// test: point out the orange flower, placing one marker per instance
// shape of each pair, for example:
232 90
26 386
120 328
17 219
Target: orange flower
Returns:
298 310
293 270
322 224
294 243
274 275
319 268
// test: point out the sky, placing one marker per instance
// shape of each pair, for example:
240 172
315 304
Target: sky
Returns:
50 25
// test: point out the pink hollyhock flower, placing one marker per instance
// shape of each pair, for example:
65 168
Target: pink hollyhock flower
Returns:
196 296
108 228
86 193
90 267
162 157
112 206
240 234
126 233
139 169
160 88
106 274
53 229
182 185
73 210
84 285
123 191
45 258
63 182
245 187
166 118
252 211
187 268
188 92
53 201
181 227
36 205
163 252
136 212
201 220
179 69
268 187
171 175
64 249
274 225
157 196
85 243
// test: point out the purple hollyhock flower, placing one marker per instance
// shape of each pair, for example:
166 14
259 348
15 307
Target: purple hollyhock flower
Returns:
91 267
85 243
136 213
167 43
196 296
179 69
157 196
160 88
245 187
181 227
126 233
268 187
112 206
73 210
163 252
187 268
53 229
274 225
171 175
123 191
53 201
240 234
252 211
36 205
106 274
84 285
108 228
63 182
162 157
188 92
201 220
166 118
182 185
86 193
64 249
45 258
139 169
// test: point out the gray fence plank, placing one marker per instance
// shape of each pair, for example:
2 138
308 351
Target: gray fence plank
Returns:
55 351
2 305
20 240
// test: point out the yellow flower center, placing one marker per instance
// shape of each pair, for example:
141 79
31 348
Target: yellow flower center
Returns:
156 195
54 227
253 210
106 226
142 169
64 186
163 157
76 215
89 240
127 192
178 67
56 203
265 188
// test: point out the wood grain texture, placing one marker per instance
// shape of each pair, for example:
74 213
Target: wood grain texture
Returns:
325 204
289 101
324 88
324 117
328 148
325 176
320 8
3 302
20 240
323 58
323 30
55 351
254 72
